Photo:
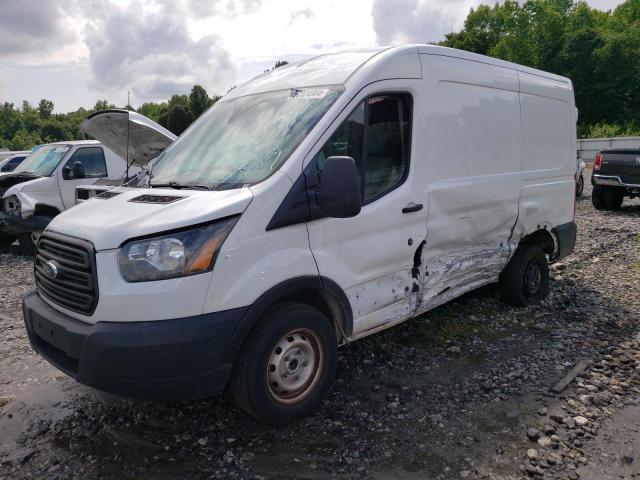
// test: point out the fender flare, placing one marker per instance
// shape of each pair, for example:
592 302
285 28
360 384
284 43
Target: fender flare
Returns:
321 285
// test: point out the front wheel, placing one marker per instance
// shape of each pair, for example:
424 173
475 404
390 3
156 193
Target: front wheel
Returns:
525 279
286 365
580 186
28 242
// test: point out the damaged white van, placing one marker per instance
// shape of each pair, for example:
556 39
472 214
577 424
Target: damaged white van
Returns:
315 205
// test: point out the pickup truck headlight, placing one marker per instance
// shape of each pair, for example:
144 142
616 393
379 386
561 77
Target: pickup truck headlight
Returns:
11 205
172 255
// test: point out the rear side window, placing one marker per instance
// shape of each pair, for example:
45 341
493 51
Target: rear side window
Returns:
92 159
377 135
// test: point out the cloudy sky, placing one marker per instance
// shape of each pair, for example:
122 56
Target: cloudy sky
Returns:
75 52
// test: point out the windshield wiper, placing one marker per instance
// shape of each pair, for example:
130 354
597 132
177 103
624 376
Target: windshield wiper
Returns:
180 186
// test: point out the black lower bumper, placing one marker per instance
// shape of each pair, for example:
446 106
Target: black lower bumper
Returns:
566 236
161 360
15 225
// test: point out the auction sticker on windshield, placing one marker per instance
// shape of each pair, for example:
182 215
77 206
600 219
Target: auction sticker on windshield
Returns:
61 149
308 92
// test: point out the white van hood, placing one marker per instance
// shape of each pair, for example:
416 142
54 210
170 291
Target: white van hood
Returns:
107 223
147 139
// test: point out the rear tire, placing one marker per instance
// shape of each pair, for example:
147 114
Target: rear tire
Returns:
286 365
525 279
607 198
6 240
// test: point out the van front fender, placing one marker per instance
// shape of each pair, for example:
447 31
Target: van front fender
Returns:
322 293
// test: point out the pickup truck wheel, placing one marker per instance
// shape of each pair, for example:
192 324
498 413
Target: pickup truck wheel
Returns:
286 365
6 240
525 279
28 241
607 198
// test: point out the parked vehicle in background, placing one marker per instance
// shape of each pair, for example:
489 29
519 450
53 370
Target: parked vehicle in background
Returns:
313 206
616 175
9 164
580 177
132 136
43 185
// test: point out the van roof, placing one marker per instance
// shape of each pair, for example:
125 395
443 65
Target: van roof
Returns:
385 62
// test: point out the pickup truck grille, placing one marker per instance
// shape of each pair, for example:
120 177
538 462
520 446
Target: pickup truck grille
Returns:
65 272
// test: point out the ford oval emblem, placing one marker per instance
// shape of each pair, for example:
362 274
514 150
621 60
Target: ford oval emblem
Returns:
50 270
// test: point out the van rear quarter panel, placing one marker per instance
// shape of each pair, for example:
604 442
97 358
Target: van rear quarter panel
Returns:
548 152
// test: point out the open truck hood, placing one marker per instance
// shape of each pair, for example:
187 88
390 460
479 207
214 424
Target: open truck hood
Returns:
147 139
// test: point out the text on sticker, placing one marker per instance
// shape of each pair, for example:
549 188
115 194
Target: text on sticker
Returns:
308 92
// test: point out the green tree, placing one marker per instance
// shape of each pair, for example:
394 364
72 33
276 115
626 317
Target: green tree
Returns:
45 108
199 101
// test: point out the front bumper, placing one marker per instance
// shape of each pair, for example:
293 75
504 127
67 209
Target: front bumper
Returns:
159 360
15 224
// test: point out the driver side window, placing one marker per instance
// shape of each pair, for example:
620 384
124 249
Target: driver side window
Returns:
92 159
377 135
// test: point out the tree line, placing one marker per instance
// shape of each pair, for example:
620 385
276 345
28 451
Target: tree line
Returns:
599 51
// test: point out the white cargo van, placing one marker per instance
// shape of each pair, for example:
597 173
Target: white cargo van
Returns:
315 205
44 184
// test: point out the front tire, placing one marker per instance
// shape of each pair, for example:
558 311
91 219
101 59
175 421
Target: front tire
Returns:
28 242
287 364
525 279
607 198
580 186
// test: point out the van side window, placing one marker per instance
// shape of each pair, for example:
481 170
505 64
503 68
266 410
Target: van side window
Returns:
92 159
377 135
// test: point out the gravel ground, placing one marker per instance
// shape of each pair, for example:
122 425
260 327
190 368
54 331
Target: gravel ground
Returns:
462 392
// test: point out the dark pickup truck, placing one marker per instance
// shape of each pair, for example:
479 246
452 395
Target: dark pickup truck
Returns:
616 174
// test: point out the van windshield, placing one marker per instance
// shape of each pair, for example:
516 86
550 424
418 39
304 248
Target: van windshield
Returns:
44 160
242 141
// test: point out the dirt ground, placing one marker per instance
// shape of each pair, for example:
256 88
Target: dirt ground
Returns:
462 392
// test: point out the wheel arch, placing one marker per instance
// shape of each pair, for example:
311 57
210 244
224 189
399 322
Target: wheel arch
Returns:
542 238
319 292
44 210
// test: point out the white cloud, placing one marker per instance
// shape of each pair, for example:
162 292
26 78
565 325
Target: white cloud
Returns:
151 53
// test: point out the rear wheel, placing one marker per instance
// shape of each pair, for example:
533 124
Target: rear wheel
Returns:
6 240
607 198
286 365
525 279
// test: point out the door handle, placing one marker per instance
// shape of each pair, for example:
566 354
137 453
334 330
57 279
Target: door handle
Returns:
412 207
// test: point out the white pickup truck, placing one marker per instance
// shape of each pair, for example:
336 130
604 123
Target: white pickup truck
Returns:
132 136
44 185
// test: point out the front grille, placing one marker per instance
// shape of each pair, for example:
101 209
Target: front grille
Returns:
74 284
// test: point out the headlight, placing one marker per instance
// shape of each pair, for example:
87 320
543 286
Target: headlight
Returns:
11 205
175 254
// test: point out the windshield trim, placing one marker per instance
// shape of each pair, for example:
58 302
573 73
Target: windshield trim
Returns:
339 88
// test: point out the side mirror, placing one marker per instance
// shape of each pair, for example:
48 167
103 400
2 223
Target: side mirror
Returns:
339 188
73 173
